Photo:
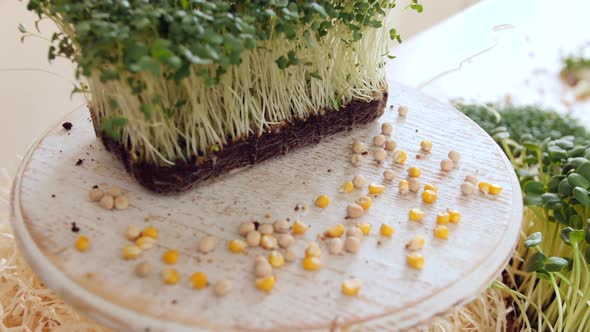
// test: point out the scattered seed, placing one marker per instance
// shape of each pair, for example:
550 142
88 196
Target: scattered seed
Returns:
354 211
276 259
143 269
403 110
130 251
170 276
346 188
322 201
386 230
416 243
145 242
414 185
266 229
290 255
426 145
237 246
281 226
354 231
222 287
335 246
199 280
467 188
380 154
359 147
262 268
390 145
82 243
114 191
107 202
404 187
352 244
285 240
386 128
379 140
132 232
351 287
246 227
359 181
95 194
471 179
388 175
299 227
441 232
400 156
454 156
253 238
269 242
313 250
447 165
207 244
121 202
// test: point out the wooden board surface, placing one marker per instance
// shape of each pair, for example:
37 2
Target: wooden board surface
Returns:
393 296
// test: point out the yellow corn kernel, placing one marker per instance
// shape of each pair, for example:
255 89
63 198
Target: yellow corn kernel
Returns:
313 250
443 218
145 242
351 287
365 228
426 145
484 187
322 201
441 232
404 186
335 231
495 189
82 243
415 260
237 246
455 216
276 259
400 156
376 189
416 214
386 230
299 227
265 284
130 251
416 243
365 202
429 196
311 263
430 186
199 280
150 231
170 276
170 257
414 172
347 187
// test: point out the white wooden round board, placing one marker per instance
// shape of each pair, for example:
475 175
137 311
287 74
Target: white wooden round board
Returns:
51 192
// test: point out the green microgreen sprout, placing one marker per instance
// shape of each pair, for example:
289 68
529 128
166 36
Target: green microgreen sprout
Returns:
549 276
171 79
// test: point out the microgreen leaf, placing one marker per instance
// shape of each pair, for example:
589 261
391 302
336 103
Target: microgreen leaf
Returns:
534 187
555 264
533 240
535 262
581 195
